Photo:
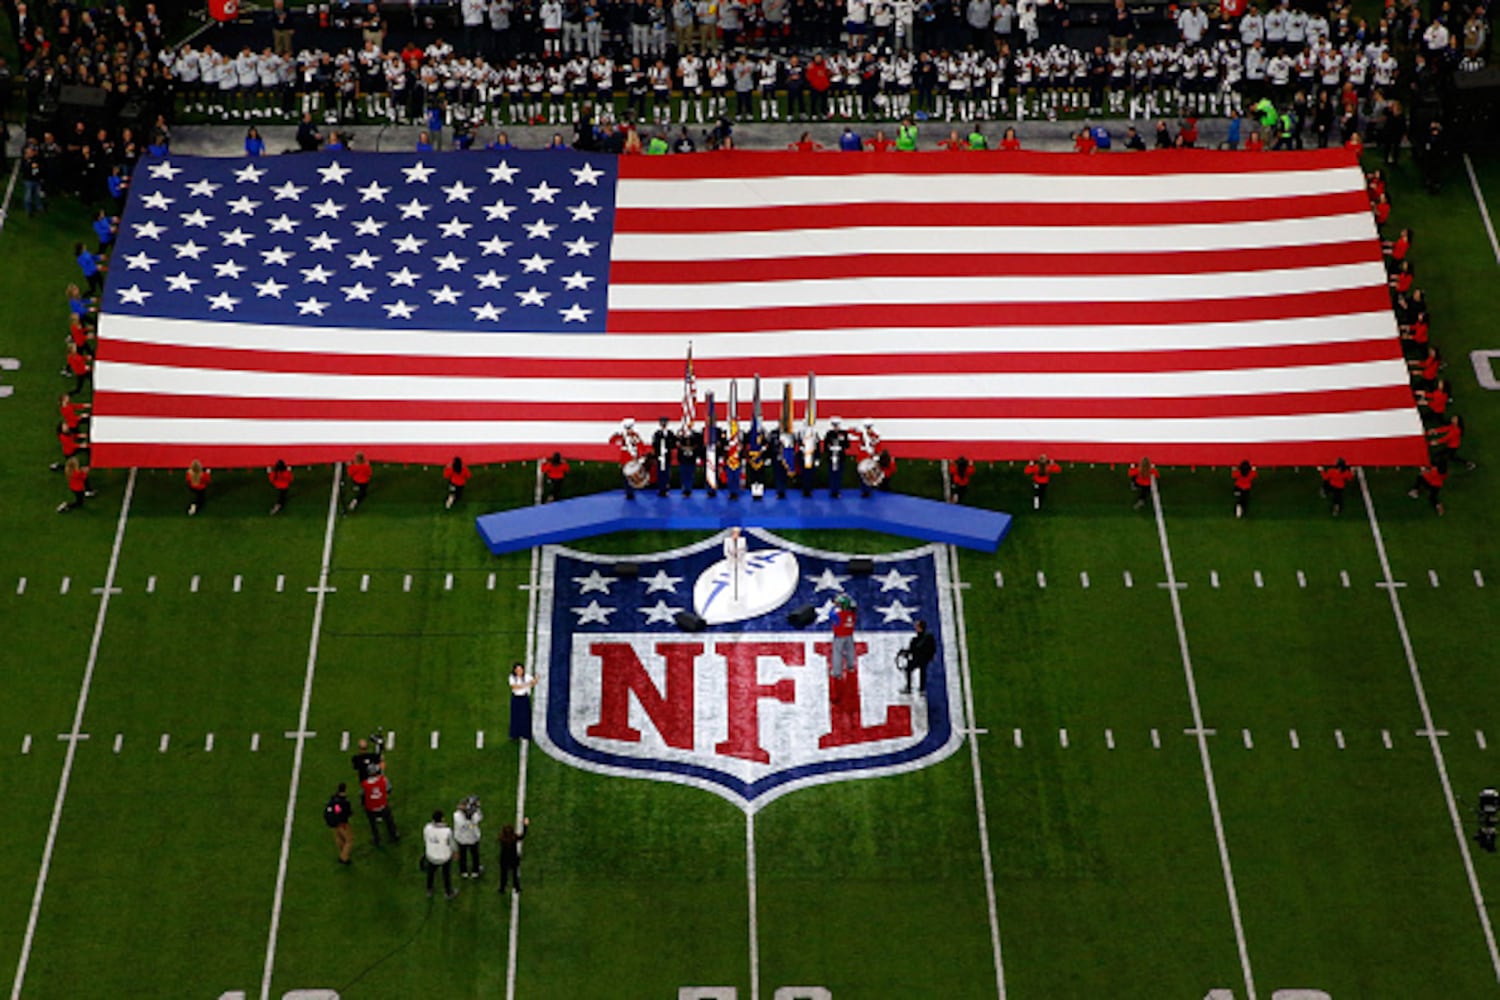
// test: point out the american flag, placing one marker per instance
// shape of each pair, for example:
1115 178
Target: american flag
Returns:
1196 307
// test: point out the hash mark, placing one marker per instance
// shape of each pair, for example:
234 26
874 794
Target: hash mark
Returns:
1041 579
364 583
999 578
193 584
67 582
1249 743
390 740
151 585
1259 580
238 582
434 739
479 740
1018 738
1296 743
1155 739
119 741
255 742
166 739
344 741
1213 578
490 583
1479 738
1432 577
1062 737
1478 578
21 586
26 744
406 584
1338 737
1301 579
448 582
280 583
208 743
1109 739
1344 578
1129 580
1083 578
1385 737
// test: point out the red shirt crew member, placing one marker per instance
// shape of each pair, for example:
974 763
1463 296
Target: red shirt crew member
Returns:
198 479
841 660
1431 479
1446 439
77 367
1244 479
375 796
1041 471
554 471
1335 479
960 472
78 483
72 413
72 442
457 474
1142 474
360 473
280 476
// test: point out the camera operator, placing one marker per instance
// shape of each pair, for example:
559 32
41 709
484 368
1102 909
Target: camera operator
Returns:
371 759
466 820
375 787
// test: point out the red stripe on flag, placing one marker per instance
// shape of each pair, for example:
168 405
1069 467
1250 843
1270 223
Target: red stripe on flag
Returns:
753 163
963 363
763 218
960 265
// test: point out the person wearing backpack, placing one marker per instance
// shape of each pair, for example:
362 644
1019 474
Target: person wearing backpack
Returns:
336 814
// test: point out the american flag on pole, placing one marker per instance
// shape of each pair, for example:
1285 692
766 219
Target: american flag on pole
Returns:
1193 306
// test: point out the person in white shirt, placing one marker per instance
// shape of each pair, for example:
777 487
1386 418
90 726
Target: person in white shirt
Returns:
1192 23
466 820
437 847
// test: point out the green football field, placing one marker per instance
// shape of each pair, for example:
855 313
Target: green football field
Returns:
1206 753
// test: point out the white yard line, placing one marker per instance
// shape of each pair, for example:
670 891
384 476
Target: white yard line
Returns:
957 596
73 739
1202 736
322 591
1430 729
531 603
10 189
751 881
1484 210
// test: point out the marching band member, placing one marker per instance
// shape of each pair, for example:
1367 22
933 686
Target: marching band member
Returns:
631 453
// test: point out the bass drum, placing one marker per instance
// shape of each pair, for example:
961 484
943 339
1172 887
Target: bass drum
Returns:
870 472
636 473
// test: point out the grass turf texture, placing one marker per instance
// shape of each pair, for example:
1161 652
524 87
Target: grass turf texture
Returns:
1107 871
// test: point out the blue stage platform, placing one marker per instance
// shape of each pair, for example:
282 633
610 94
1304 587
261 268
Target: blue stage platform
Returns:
604 513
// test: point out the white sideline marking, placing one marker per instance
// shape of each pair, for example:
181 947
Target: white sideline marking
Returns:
166 740
255 742
1489 227
1155 740
280 583
434 743
999 578
67 582
1018 739
1338 737
1344 578
151 585
1432 739
302 733
1213 578
1301 579
1203 755
344 741
1083 578
1296 743
1479 738
21 586
1259 580
239 581
1478 578
208 743
1249 743
69 754
531 615
1129 581
479 740
26 744
364 583
1109 738
1385 737
1432 577
448 582
406 584
193 585
1062 737
490 583
1041 579
119 741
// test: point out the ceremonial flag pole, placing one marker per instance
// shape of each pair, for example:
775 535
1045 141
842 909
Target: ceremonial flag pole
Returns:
689 392
711 448
755 414
787 416
812 401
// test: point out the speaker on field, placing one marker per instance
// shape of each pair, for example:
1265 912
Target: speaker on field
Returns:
689 622
861 566
803 616
627 570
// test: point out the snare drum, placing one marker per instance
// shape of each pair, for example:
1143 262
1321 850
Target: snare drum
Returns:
870 472
636 473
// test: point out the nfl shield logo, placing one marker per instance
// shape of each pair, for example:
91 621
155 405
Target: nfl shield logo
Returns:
746 706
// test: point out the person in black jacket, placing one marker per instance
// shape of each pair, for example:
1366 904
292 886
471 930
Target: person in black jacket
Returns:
510 853
916 657
336 814
663 451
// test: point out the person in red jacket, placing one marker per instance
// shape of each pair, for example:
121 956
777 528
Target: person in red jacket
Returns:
1142 475
1244 479
77 367
818 82
1335 478
805 144
457 474
375 796
1425 370
882 143
74 415
1446 439
197 478
960 471
360 472
281 477
1009 142
1041 470
554 472
78 482
842 659
73 444
1083 142
1434 402
1431 478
